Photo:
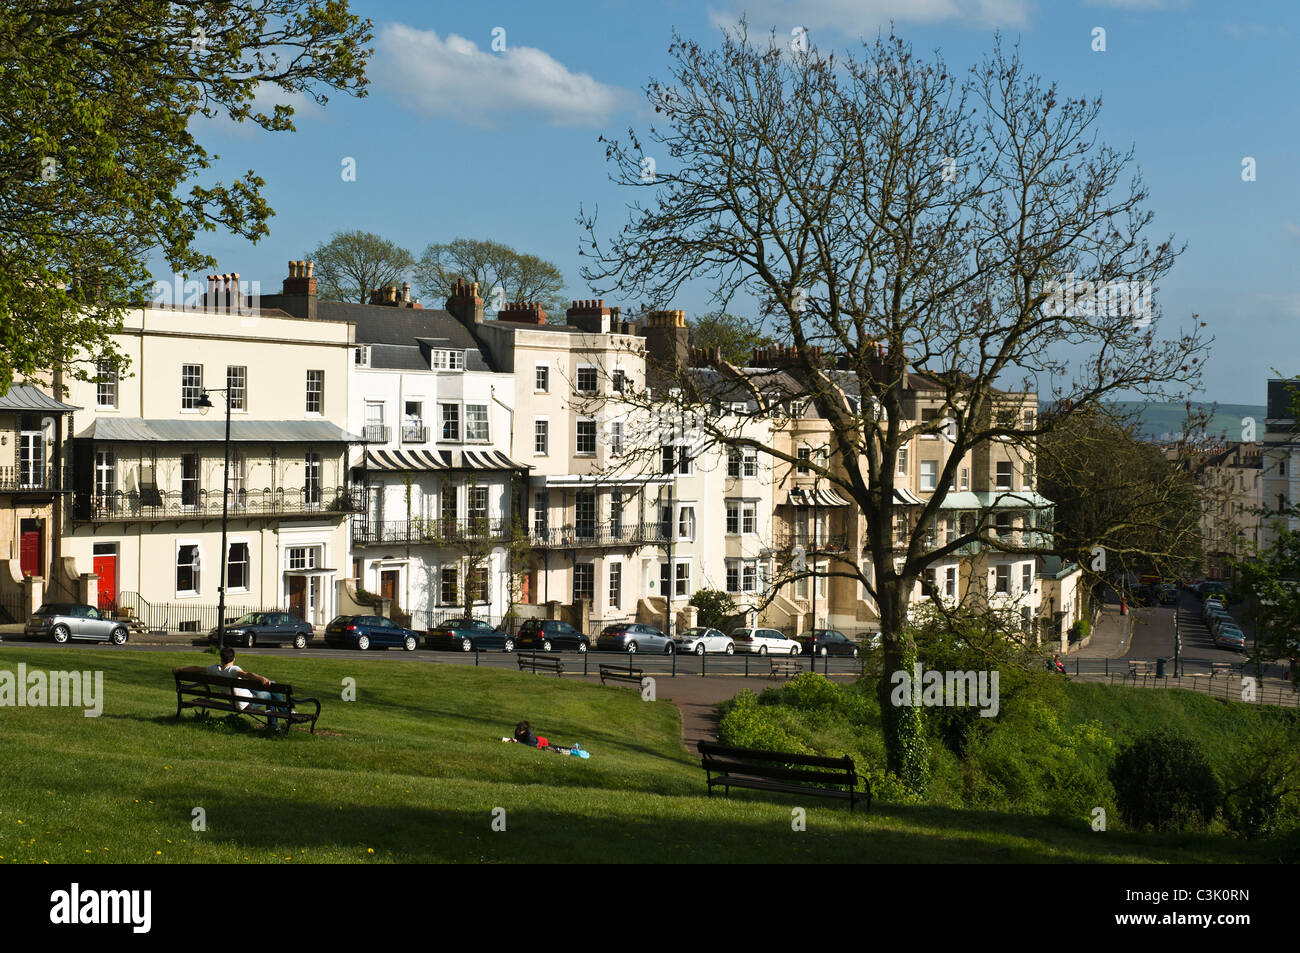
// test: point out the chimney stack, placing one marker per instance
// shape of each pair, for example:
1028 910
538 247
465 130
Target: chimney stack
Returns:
298 292
590 315
667 348
522 312
465 303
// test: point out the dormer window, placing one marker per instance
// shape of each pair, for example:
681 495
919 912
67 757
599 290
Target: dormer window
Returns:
361 355
443 360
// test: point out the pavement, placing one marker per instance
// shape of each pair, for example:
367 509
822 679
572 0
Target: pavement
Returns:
1110 637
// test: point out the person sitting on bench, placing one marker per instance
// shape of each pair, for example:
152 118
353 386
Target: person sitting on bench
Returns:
228 668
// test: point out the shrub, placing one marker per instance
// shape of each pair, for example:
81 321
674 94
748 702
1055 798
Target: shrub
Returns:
746 724
714 606
1080 630
1165 781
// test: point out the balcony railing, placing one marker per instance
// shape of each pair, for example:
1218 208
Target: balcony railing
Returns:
21 479
826 542
413 433
123 506
375 433
623 533
369 532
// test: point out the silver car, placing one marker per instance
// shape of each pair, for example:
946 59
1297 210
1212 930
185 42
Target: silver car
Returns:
62 621
760 641
700 640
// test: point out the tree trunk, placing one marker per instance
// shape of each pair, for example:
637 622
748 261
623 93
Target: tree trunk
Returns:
906 755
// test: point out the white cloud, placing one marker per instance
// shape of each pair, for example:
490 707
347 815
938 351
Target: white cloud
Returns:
856 18
453 77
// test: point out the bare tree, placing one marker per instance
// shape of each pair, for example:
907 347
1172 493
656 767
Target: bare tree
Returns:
900 222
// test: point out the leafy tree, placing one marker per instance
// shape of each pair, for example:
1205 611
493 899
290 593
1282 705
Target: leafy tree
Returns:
1118 492
1164 781
503 274
918 223
352 264
715 607
734 336
99 161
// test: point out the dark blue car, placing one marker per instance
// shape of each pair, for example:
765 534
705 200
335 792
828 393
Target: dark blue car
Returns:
369 631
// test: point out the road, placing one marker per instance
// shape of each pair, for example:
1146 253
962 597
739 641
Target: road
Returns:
574 662
1153 633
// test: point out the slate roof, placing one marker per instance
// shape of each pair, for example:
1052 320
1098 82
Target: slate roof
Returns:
25 397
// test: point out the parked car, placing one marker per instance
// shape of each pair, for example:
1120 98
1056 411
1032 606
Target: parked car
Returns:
700 640
266 628
62 621
634 637
829 642
550 635
1212 587
1230 636
468 635
369 631
1213 610
1144 596
1168 594
758 641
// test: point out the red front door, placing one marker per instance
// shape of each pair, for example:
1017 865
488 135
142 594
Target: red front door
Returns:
30 550
106 570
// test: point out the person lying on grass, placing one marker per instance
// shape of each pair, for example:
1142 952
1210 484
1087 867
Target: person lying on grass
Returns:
524 736
228 667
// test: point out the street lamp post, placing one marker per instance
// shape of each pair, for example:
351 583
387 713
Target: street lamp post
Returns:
205 404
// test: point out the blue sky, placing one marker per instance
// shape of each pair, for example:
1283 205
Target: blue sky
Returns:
458 140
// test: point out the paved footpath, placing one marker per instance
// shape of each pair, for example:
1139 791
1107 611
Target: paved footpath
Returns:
696 696
1110 639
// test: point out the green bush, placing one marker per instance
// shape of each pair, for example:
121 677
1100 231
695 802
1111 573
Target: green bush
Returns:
1165 781
714 606
747 724
1080 630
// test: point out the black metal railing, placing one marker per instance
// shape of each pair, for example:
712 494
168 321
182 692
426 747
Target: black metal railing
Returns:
124 505
177 618
622 533
414 434
33 478
366 532
826 542
375 433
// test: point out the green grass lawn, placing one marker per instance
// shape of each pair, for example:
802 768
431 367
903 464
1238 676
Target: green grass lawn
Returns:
413 770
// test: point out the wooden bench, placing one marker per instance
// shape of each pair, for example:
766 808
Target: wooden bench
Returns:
205 692
1138 667
1220 668
782 771
621 674
785 668
547 663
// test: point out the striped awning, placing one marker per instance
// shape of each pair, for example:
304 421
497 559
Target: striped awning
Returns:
907 497
419 460
488 460
816 497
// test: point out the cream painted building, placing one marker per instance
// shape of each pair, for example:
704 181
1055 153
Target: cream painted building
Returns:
148 465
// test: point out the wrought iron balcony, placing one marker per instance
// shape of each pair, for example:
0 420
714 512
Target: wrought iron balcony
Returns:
366 532
146 504
375 433
26 479
414 433
622 533
826 542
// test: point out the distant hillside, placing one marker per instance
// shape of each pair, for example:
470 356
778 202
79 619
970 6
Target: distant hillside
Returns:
1165 421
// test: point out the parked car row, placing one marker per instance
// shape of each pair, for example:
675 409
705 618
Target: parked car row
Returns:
64 621
1227 634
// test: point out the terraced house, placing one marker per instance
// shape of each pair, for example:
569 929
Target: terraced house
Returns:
442 488
148 463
